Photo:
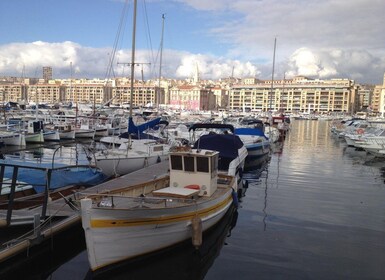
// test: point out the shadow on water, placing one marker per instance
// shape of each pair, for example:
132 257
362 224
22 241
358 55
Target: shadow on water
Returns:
42 261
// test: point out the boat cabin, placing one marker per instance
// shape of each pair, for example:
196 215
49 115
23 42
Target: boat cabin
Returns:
35 126
193 172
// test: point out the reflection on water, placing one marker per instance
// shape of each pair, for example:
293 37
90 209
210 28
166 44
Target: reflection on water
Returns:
314 209
316 212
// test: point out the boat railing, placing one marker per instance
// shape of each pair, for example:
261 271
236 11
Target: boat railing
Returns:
12 199
105 200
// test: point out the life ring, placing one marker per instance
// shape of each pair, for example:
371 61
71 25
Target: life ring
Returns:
360 131
193 187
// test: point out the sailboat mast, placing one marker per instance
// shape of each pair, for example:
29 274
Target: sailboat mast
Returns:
272 78
133 57
160 62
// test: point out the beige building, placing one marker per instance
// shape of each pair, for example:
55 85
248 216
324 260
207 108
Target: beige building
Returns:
296 95
379 98
221 97
192 97
85 93
44 93
365 93
12 92
376 99
142 95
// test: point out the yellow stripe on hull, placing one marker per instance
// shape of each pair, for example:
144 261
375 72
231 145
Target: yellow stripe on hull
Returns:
159 220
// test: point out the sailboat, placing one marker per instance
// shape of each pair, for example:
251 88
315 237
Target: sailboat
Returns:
144 218
132 154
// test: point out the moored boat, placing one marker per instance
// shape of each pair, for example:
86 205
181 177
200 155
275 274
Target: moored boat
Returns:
144 218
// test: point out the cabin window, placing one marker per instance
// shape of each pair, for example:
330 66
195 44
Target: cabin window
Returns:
158 148
189 164
176 163
202 164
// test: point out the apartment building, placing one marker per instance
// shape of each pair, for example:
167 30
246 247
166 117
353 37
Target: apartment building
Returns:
192 97
142 95
221 97
44 93
295 95
10 92
378 100
85 93
365 93
47 73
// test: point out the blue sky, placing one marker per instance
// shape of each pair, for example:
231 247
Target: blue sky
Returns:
319 39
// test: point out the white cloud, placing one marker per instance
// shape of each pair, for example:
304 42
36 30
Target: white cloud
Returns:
93 62
354 29
336 63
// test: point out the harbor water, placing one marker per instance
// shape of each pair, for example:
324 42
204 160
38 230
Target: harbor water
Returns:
314 209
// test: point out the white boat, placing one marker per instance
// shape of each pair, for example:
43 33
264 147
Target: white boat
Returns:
131 156
34 133
252 134
232 151
66 130
51 135
12 138
100 130
144 218
84 132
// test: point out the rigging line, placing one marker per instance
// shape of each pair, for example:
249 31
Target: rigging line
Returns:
116 41
148 37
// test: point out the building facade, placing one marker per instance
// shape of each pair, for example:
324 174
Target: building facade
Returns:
379 96
47 73
296 95
191 97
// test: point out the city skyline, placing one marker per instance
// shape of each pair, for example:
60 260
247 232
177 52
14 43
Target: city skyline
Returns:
318 39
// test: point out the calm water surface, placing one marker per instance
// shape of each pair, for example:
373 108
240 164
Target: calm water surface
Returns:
315 210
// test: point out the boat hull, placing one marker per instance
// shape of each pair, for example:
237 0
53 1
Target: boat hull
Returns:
114 235
120 165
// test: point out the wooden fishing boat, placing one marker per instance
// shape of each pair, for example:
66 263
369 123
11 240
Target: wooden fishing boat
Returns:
140 219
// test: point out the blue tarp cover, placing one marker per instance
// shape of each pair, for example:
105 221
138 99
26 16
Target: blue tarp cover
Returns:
137 129
226 144
71 175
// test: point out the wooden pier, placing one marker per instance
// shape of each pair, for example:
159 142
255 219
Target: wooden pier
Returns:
27 228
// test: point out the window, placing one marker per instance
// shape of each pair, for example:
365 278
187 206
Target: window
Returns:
189 164
202 164
176 163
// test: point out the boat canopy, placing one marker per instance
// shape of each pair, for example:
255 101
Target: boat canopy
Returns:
227 145
137 129
220 126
